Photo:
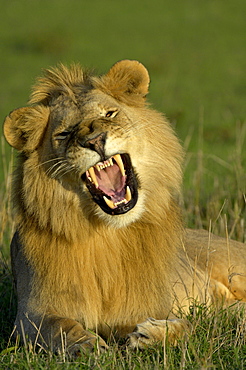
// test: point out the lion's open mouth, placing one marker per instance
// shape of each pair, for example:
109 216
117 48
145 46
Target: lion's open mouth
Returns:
113 184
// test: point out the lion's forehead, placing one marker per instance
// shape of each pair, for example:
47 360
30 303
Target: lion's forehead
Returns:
68 112
96 104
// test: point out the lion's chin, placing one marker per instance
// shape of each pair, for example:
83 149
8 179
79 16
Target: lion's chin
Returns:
113 184
125 219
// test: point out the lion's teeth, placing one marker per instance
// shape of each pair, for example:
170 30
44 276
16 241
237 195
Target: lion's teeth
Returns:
122 201
113 205
128 195
101 165
117 158
109 202
93 176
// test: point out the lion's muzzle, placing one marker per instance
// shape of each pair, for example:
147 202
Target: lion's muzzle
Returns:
96 143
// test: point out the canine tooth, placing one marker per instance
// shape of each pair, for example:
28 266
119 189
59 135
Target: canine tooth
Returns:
98 167
93 176
128 195
118 160
88 176
110 161
109 202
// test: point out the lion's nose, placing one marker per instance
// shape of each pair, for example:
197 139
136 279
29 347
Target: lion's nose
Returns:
96 143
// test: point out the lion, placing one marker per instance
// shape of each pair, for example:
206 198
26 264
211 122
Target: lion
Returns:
100 250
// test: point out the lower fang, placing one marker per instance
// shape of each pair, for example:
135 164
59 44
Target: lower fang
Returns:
128 195
109 203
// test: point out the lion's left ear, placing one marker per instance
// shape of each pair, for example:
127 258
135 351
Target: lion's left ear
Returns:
24 127
127 79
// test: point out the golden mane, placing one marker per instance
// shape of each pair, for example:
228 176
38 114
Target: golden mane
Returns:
59 80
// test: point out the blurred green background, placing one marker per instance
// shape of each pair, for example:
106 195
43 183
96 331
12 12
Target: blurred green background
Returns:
195 52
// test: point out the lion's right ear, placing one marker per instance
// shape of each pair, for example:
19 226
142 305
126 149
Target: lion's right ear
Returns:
127 81
24 127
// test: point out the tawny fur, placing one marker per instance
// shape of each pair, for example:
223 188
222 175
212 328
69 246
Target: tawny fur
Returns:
75 266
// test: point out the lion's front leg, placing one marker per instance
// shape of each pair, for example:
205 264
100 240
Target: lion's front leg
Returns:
152 331
58 334
49 330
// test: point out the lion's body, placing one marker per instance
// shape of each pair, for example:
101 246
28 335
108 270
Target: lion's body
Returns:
106 267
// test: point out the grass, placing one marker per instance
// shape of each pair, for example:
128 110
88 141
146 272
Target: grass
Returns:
195 53
215 343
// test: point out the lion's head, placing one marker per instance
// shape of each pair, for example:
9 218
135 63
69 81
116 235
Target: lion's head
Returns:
93 144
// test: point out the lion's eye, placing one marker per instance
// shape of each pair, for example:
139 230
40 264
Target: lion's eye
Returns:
62 135
111 113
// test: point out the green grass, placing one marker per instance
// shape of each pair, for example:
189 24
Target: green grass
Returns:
195 53
215 343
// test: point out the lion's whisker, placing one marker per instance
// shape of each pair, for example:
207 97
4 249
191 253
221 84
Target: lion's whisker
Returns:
48 161
58 165
63 169
66 172
58 170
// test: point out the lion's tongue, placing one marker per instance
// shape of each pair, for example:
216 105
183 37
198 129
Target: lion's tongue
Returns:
111 182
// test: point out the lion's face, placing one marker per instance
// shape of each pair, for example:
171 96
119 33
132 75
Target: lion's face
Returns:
96 138
96 145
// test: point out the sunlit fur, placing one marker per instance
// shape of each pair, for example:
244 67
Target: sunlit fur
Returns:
105 272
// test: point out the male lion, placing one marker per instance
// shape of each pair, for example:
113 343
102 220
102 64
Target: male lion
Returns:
99 246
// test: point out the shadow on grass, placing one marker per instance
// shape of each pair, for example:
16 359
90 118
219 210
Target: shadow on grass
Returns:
8 304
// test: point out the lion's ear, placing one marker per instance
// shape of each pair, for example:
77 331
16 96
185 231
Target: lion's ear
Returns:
127 79
24 127
130 76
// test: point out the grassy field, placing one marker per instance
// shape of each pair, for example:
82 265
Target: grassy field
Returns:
196 56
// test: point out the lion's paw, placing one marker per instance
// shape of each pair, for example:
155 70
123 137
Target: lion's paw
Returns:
152 331
91 344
